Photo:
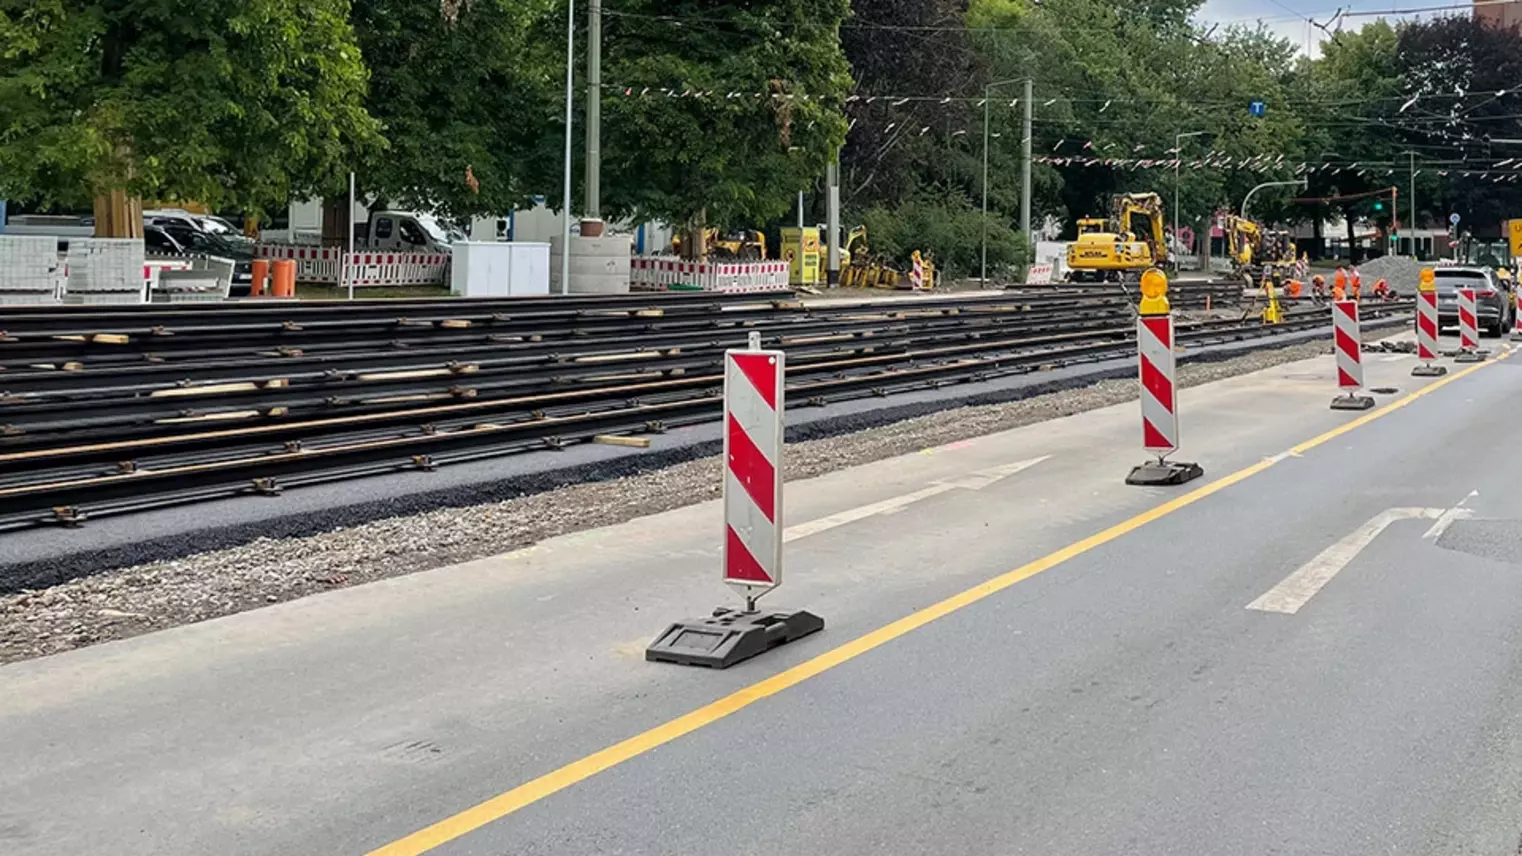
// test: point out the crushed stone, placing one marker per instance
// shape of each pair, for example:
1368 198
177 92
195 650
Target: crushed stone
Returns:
135 600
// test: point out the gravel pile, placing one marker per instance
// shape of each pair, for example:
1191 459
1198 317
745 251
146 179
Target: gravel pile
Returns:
136 600
1402 272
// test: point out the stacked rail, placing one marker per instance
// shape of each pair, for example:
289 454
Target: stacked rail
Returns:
111 411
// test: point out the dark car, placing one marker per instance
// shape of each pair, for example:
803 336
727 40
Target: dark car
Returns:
1492 298
172 239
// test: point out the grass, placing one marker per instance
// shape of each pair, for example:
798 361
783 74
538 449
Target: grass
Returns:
333 292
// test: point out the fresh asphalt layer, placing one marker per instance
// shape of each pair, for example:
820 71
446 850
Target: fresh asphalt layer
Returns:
33 558
1110 694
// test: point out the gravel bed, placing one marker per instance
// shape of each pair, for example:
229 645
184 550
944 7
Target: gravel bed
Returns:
131 601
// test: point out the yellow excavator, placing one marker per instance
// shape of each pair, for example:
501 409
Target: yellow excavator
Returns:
748 245
1255 251
1124 246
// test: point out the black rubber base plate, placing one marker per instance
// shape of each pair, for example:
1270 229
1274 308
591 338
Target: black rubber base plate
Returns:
729 637
1471 356
1429 370
1165 473
1352 402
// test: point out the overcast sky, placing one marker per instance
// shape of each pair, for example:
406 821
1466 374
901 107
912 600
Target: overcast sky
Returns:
1288 17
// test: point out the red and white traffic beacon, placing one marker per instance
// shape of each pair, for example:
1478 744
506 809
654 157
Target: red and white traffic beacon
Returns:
752 545
1159 387
1427 327
1347 341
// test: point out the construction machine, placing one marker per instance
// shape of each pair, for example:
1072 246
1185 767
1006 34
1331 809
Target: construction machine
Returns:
859 268
1256 251
748 244
1121 248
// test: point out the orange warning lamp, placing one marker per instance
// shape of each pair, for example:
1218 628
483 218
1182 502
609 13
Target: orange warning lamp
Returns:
1427 280
1154 289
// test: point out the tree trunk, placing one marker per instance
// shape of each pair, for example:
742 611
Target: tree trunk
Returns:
1317 234
118 215
695 244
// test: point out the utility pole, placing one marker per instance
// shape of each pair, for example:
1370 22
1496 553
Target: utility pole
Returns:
1178 162
594 109
570 125
832 219
1413 205
1025 167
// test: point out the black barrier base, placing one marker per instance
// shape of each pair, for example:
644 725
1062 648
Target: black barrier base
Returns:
1352 402
729 637
1471 356
1164 473
1429 370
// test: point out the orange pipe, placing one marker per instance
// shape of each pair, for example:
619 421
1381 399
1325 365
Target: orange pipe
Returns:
285 278
261 277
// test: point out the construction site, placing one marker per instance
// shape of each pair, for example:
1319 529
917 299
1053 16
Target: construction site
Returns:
922 427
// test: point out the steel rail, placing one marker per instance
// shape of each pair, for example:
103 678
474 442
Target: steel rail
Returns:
952 364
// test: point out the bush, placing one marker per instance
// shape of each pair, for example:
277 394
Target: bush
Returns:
950 233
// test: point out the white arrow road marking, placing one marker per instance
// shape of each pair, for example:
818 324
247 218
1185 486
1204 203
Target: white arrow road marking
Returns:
1444 520
973 481
1298 588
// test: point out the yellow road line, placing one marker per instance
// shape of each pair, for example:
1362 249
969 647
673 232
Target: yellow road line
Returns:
527 793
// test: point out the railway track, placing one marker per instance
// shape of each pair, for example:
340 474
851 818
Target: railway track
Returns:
138 409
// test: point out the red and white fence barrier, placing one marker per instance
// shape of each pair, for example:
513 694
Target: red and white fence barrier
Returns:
326 265
658 274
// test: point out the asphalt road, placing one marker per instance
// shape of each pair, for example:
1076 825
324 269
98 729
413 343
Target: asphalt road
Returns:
1124 699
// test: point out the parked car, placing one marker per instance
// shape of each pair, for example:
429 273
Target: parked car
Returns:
180 240
1493 298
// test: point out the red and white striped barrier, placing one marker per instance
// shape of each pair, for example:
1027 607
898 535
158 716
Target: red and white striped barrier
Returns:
753 402
1469 326
1347 343
1154 336
1157 372
1427 335
664 274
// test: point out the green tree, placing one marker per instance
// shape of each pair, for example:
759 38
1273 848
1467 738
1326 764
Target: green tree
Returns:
239 103
465 92
718 112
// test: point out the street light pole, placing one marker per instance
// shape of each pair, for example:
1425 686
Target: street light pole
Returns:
1178 161
1248 198
987 98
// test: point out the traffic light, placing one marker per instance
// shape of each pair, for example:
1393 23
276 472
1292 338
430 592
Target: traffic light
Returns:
1379 205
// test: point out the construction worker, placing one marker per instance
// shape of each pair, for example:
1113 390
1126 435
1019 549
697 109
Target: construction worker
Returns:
1357 282
1382 289
1340 285
1318 287
1292 288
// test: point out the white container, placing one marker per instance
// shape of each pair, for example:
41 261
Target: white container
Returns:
598 265
492 269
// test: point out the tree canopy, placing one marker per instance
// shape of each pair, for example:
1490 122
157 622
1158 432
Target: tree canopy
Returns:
722 111
240 103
